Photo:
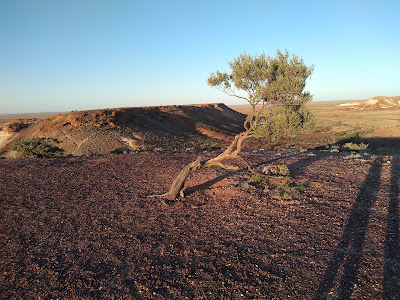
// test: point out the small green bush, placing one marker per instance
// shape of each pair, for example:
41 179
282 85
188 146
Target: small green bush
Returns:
38 147
260 179
288 192
285 121
355 147
301 188
278 170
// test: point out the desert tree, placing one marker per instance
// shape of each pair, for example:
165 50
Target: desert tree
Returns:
264 82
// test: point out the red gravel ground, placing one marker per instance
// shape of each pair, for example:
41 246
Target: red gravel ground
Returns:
85 228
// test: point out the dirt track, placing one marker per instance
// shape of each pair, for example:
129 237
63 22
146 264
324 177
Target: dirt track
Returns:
82 228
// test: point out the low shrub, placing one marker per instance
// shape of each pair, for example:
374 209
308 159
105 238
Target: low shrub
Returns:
38 147
287 192
278 170
353 156
281 188
355 147
260 179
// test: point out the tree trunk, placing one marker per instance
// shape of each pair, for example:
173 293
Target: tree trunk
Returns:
232 152
178 186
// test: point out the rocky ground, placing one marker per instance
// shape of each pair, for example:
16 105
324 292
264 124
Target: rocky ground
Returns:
86 228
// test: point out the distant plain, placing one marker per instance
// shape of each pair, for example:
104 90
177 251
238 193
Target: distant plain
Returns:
335 123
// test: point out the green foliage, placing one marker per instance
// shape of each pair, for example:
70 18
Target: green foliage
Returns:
38 147
355 147
260 179
350 146
270 81
301 188
265 79
282 187
287 192
256 182
285 121
278 170
353 156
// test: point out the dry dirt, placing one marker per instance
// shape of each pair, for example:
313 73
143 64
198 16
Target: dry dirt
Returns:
85 228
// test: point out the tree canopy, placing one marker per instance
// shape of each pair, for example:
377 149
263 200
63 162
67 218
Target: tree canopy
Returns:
262 79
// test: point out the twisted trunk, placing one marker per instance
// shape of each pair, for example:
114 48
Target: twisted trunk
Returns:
232 152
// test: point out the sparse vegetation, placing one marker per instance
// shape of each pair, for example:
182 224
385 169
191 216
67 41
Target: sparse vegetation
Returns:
275 182
287 192
347 147
259 181
278 170
38 147
355 147
336 125
353 156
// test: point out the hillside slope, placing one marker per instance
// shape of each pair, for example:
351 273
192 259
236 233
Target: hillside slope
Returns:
374 103
100 131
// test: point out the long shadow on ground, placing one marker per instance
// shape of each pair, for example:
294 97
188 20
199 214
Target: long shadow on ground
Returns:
391 280
349 250
298 166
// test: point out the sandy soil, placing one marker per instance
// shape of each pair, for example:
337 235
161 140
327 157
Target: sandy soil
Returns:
85 228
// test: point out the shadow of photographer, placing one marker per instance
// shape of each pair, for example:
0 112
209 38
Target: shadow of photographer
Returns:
348 252
391 277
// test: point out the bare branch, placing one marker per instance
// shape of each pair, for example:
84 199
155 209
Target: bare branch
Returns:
223 166
246 163
230 93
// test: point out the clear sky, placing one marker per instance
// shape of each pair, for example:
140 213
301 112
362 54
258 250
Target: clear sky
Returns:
62 55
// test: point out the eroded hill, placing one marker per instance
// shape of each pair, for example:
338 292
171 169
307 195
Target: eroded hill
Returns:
374 103
101 131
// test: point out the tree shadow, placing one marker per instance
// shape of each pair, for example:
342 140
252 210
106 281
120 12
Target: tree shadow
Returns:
349 250
377 145
211 182
391 278
297 166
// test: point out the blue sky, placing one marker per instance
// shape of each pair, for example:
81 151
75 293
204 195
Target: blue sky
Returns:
67 55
